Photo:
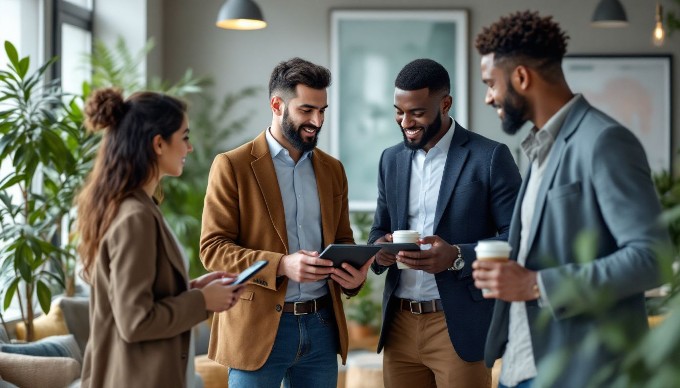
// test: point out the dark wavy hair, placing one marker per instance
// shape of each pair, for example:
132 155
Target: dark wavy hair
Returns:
295 71
423 73
525 38
125 160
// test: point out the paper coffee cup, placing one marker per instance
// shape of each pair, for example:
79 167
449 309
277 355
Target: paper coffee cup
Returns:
405 236
494 251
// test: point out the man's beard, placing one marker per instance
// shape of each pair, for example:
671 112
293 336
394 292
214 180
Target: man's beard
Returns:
292 134
515 109
429 132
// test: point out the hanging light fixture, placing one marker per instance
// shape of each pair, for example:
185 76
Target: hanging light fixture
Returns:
609 13
659 34
240 15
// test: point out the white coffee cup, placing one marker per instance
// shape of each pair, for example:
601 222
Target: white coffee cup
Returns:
405 236
492 250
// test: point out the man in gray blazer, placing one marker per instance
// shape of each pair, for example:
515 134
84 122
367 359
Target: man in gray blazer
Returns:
588 174
454 187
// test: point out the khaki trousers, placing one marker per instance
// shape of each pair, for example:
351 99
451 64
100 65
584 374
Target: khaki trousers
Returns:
418 353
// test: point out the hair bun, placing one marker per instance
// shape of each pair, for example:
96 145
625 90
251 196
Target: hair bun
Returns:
104 109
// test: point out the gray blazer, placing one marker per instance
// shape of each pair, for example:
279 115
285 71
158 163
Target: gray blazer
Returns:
597 180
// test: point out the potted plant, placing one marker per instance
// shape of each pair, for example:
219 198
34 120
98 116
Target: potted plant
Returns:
36 131
363 313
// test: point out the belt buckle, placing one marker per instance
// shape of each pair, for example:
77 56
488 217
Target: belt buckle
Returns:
296 304
420 307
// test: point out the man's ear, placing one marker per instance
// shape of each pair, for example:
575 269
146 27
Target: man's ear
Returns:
521 78
278 105
446 104
157 143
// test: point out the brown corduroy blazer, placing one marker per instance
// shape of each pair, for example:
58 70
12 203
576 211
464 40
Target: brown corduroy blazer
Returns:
141 312
244 221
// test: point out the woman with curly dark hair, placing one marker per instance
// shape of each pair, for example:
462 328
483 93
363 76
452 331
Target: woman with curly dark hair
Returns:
142 305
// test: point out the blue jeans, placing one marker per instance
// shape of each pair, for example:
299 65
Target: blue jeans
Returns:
522 384
304 355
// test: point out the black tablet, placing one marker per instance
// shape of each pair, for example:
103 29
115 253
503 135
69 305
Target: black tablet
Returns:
394 248
356 255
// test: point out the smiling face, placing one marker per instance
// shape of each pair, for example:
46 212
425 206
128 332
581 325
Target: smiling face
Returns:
420 114
512 108
172 153
303 116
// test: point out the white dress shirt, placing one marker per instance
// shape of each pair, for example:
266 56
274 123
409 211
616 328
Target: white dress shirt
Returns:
427 169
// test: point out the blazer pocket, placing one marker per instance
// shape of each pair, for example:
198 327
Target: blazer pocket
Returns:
475 293
247 295
562 191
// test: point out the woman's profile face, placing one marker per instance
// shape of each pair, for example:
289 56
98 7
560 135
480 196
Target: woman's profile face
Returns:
173 152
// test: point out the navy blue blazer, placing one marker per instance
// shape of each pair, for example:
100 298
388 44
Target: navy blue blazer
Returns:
476 199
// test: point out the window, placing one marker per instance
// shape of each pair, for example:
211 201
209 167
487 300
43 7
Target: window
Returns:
72 37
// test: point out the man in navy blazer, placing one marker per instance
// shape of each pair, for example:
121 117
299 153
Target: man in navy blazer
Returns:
455 188
588 174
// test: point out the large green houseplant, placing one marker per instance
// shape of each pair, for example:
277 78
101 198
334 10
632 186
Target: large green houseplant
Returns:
38 138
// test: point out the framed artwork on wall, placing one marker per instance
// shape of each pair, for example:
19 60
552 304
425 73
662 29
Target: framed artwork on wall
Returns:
368 49
633 89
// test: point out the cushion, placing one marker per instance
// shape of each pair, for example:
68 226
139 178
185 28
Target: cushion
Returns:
38 372
76 315
45 325
55 346
6 384
214 375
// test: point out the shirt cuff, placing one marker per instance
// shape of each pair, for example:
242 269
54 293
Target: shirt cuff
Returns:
542 299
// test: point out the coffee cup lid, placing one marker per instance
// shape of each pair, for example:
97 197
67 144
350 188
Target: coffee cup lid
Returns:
496 246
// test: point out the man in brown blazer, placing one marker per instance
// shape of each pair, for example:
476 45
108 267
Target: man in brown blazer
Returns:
278 198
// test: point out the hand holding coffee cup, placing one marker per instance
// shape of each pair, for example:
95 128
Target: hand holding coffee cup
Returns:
492 250
405 236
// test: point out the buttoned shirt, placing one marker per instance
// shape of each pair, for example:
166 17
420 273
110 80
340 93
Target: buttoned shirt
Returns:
297 184
427 170
518 359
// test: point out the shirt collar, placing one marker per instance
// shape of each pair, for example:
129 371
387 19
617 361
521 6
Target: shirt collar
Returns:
537 144
275 148
445 142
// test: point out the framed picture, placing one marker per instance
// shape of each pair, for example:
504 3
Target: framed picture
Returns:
368 49
633 89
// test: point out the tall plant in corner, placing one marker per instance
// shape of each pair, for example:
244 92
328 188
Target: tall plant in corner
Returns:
35 137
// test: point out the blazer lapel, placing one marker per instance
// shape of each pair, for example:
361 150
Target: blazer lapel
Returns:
403 186
324 186
455 160
570 125
265 174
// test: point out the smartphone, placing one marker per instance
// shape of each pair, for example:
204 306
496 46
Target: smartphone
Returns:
249 272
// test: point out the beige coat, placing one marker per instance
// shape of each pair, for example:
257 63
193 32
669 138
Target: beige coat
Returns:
244 221
141 313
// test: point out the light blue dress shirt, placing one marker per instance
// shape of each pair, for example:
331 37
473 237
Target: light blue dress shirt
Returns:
297 184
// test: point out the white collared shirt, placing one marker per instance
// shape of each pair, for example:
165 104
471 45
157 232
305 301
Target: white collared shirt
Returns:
518 360
427 170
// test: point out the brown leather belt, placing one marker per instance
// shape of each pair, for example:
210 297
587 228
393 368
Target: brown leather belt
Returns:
307 307
425 307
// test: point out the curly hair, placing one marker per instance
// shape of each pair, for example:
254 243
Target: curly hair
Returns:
524 36
423 73
125 159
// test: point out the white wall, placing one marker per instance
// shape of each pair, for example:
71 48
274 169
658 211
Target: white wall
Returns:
238 59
